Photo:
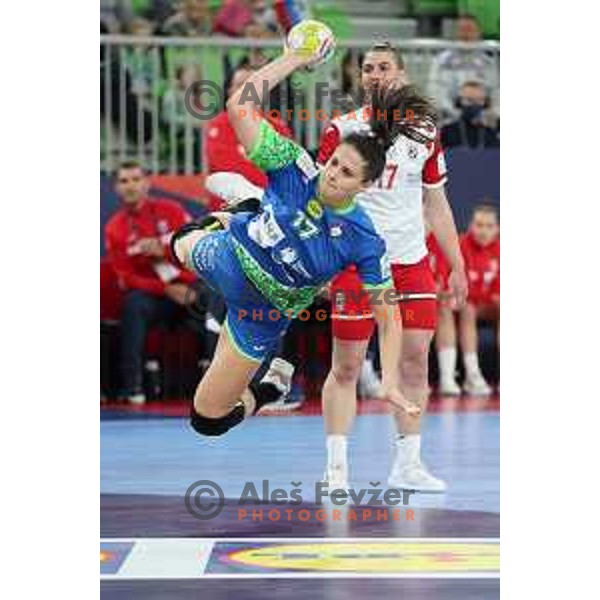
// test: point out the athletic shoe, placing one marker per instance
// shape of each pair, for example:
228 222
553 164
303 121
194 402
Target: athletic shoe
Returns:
449 388
232 187
415 476
336 476
288 402
369 384
477 386
136 399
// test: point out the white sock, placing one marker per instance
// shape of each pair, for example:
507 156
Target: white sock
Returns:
447 363
408 448
471 362
337 447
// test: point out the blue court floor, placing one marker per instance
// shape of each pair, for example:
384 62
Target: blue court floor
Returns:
153 547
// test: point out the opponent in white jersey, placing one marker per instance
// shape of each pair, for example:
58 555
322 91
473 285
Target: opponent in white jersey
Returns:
412 183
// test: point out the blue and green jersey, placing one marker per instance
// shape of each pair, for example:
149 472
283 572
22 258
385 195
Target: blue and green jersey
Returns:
295 244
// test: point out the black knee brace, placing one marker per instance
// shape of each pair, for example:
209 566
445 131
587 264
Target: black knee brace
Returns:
249 205
219 425
208 223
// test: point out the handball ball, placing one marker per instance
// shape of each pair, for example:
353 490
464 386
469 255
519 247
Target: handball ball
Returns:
312 40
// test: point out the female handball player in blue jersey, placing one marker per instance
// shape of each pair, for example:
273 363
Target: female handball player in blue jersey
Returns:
270 265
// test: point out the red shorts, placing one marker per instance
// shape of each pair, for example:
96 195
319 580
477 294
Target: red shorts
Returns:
351 315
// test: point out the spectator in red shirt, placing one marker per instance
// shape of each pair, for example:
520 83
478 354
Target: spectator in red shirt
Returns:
481 251
226 155
137 238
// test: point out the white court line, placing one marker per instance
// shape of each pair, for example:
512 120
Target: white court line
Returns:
187 558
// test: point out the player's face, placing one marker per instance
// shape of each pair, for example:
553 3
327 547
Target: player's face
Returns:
484 227
380 69
131 185
342 176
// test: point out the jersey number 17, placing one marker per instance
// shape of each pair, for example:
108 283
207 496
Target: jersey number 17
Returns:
386 181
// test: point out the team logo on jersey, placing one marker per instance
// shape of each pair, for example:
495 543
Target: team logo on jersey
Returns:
314 209
306 164
339 300
162 226
335 231
413 152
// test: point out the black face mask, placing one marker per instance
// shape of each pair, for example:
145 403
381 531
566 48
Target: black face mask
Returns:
472 112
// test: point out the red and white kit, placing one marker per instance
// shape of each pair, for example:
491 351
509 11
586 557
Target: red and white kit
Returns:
482 264
395 205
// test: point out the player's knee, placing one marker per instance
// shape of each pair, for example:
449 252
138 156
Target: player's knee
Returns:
414 368
215 426
346 371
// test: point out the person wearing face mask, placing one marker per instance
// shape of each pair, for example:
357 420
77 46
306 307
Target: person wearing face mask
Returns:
471 129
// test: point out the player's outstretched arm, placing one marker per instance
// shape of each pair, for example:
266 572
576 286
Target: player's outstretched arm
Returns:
244 106
389 323
439 216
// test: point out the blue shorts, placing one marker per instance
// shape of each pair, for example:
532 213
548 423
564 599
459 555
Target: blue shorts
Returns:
253 324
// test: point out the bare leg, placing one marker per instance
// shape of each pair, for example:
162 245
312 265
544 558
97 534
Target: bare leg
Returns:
407 471
467 325
414 377
445 341
339 405
475 384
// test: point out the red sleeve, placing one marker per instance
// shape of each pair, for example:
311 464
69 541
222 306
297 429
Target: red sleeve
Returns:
330 140
223 155
124 269
177 216
434 170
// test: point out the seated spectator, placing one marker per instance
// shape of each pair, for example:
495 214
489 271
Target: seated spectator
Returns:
481 250
451 68
246 18
137 237
470 129
194 18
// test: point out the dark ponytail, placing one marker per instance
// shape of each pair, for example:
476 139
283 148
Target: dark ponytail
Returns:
394 112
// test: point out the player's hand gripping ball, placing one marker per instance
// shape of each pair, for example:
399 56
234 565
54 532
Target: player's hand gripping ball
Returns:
312 41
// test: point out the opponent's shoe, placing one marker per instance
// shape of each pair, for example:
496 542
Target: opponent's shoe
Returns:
477 386
136 399
233 188
449 388
336 476
415 476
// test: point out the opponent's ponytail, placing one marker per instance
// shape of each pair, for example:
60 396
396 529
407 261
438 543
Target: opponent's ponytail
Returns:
394 112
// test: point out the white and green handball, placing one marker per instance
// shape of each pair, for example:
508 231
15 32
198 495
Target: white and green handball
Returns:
313 41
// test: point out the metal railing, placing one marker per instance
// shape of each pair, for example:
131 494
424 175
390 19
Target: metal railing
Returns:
144 80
